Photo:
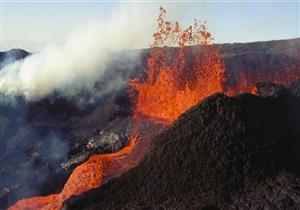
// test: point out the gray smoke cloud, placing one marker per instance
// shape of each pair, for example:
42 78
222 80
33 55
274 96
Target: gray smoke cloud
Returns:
83 58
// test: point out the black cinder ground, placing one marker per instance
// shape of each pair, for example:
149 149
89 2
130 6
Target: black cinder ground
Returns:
225 153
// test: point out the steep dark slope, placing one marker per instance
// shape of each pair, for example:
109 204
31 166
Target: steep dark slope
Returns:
28 128
239 152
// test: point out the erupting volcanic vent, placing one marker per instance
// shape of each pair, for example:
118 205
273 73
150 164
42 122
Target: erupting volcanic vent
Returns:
177 79
183 67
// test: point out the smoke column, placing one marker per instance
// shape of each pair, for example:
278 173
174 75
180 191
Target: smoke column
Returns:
82 59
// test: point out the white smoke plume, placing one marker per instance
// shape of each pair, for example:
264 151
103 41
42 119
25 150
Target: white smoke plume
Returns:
83 57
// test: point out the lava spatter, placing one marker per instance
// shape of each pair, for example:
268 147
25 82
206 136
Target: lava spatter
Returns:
177 79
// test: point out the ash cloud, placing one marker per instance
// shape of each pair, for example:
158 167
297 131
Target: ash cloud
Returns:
82 59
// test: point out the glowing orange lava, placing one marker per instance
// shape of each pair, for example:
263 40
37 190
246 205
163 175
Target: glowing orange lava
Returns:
177 79
247 82
281 71
91 174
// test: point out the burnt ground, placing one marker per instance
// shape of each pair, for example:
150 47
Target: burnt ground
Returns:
42 141
225 153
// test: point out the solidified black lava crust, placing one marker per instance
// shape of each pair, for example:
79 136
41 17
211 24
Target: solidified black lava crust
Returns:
225 153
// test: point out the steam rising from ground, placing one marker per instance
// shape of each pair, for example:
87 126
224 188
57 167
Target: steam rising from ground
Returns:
82 59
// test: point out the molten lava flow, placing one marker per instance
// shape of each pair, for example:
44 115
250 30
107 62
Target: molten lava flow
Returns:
177 79
170 88
86 176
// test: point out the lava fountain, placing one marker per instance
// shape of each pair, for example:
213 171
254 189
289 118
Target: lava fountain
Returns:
177 78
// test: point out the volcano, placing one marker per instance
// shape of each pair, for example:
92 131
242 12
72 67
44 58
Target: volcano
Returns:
166 138
224 153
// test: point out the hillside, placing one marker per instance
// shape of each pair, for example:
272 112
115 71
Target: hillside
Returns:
44 140
225 153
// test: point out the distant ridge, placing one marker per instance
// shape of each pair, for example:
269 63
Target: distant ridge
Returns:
12 55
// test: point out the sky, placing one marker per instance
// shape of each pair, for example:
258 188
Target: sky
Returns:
31 24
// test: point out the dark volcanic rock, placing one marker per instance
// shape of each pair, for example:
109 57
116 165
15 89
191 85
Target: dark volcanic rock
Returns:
12 55
249 63
227 152
26 128
35 133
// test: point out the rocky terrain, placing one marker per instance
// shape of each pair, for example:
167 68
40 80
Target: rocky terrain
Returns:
225 153
247 64
42 141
